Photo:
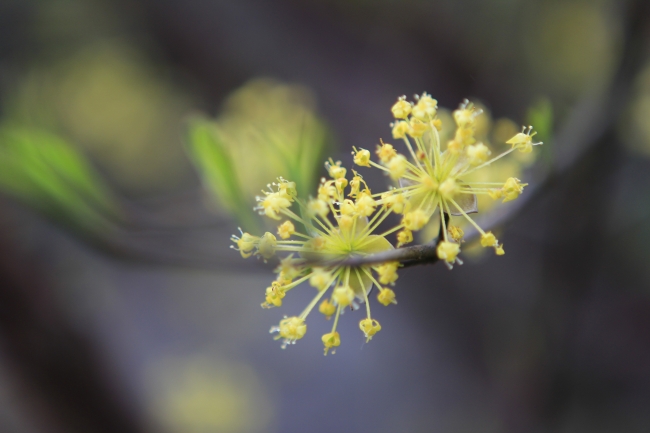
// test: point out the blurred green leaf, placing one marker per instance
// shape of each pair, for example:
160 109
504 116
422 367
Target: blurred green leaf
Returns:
216 168
266 130
44 171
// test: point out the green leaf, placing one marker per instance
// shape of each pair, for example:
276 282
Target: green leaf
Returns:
44 171
217 169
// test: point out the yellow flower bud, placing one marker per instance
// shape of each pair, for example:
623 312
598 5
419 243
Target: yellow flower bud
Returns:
274 296
449 188
343 295
273 203
415 220
456 233
400 129
246 244
346 222
286 229
326 308
386 296
341 183
365 205
397 166
369 327
320 279
454 147
417 128
477 154
331 340
292 328
448 251
465 117
404 237
512 189
335 170
267 245
347 207
425 109
362 157
326 191
401 109
495 193
387 272
318 207
488 240
385 152
395 202
524 140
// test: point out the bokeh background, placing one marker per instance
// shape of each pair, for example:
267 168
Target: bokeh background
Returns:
122 308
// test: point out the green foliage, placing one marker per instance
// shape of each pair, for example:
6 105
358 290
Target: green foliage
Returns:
266 130
217 169
48 174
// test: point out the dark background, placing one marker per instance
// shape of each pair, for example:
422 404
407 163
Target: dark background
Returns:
156 326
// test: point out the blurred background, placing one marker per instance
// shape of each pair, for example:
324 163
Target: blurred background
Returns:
134 135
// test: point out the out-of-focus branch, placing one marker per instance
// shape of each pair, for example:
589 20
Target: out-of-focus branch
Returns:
593 118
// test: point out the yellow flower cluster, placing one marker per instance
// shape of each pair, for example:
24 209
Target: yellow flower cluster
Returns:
319 234
338 224
432 179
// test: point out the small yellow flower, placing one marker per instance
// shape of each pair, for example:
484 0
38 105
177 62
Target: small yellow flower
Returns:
318 207
488 239
292 329
400 129
512 189
369 327
388 272
320 279
274 296
286 229
335 170
263 246
331 341
418 128
385 152
267 245
396 202
401 109
386 296
524 140
448 251
415 220
361 157
365 205
326 308
397 166
456 233
404 237
246 243
426 108
478 154
273 203
449 188
343 296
